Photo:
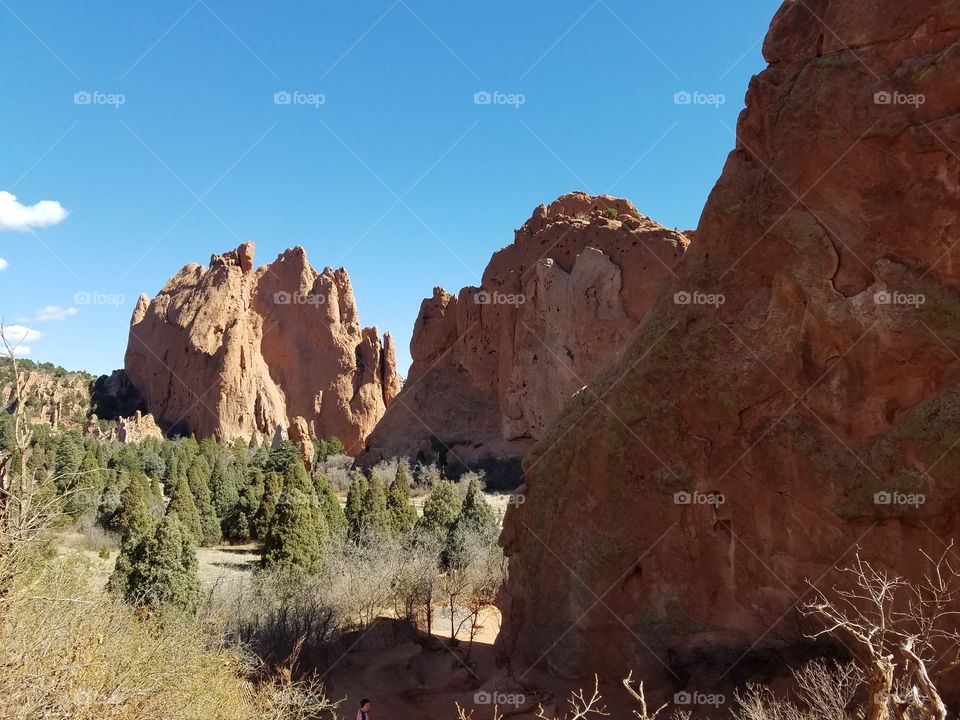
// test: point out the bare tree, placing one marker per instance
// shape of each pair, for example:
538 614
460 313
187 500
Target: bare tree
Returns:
903 631
15 483
823 692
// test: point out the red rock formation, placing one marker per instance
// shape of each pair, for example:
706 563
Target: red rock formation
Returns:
493 365
229 351
823 385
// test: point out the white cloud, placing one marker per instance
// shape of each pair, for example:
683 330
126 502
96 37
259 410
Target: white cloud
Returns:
54 312
15 334
16 216
3 264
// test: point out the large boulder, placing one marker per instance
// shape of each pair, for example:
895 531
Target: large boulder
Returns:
494 364
792 393
229 351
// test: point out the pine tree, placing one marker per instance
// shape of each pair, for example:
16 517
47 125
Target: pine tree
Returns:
403 515
160 571
297 533
183 506
199 477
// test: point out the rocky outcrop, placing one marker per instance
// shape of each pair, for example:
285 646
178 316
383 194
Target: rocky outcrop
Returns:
493 365
133 429
229 351
50 394
793 393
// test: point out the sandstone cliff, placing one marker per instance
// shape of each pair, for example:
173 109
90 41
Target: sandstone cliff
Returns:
493 365
231 351
793 393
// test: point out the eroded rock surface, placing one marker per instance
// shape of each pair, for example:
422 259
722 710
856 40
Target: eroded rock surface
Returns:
494 364
230 351
818 398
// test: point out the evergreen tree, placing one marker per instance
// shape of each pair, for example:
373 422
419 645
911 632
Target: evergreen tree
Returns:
354 510
283 456
330 507
272 488
92 477
68 456
403 515
171 472
326 448
374 517
198 478
183 506
238 526
297 533
224 490
160 570
126 459
133 518
239 452
441 509
110 498
475 519
476 511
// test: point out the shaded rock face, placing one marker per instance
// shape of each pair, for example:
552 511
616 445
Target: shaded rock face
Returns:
494 364
114 396
739 448
229 351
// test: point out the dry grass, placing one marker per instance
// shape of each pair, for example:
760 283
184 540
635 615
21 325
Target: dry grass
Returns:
68 651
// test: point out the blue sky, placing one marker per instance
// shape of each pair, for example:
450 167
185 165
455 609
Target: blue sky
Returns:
398 174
